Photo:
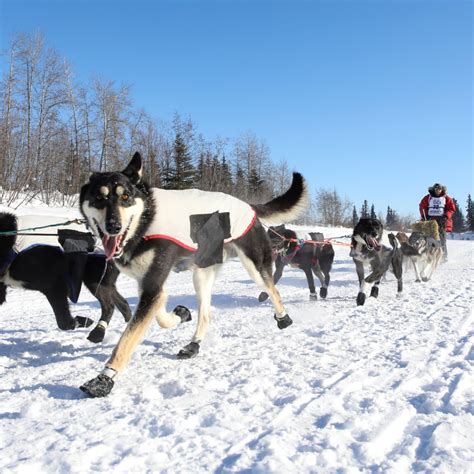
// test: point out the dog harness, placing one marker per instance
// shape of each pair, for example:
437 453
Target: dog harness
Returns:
200 221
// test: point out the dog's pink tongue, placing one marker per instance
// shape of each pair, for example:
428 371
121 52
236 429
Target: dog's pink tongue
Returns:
110 243
374 243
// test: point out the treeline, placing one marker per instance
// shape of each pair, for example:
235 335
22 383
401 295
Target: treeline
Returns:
55 131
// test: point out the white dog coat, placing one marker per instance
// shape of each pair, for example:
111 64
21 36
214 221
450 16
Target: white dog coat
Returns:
180 214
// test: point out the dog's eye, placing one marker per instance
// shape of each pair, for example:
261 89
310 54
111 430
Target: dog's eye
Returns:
124 197
99 197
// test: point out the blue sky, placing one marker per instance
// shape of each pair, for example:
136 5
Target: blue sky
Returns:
372 98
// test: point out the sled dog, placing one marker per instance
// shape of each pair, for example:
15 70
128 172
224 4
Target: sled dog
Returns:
425 253
309 257
48 269
367 251
147 231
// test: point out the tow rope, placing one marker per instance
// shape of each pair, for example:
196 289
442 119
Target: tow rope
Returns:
328 241
24 231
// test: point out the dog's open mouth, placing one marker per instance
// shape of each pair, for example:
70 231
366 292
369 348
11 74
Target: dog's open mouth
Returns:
113 244
372 243
113 247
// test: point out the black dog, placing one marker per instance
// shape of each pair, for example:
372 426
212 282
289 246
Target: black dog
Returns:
309 257
50 270
367 251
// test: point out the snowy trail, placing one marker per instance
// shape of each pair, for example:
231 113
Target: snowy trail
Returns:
382 388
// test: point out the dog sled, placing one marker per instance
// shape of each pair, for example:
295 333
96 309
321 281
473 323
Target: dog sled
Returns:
427 228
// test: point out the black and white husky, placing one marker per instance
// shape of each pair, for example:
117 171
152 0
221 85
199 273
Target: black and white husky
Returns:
367 250
37 262
424 252
147 231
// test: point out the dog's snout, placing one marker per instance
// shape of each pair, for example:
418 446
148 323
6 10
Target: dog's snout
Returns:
113 226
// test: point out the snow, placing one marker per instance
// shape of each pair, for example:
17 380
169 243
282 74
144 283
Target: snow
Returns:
387 387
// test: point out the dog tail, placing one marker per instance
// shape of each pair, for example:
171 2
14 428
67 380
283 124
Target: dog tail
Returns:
287 207
8 223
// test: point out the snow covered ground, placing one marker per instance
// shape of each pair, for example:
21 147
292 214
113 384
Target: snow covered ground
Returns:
387 387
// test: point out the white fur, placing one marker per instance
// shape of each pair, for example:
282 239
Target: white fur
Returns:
9 281
138 266
203 279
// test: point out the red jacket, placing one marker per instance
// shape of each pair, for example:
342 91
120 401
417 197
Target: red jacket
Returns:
447 212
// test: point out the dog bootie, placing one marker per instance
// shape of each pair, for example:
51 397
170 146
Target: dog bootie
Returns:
283 322
183 313
100 386
263 296
189 351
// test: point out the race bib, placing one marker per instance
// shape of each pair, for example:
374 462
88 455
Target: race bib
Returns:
436 206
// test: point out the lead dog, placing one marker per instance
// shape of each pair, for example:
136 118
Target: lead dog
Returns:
44 268
310 257
424 252
149 230
367 251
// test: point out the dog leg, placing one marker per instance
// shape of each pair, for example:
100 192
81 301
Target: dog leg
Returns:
148 306
264 279
203 279
279 266
121 304
168 320
417 273
310 280
323 279
98 333
397 268
362 284
65 321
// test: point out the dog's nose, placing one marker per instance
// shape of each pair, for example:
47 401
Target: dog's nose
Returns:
113 227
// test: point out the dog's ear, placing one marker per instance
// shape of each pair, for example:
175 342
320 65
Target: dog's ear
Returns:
134 169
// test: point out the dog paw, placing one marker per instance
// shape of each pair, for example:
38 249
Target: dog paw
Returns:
313 296
82 322
425 279
323 292
283 322
263 296
417 280
100 386
97 334
189 351
360 299
183 313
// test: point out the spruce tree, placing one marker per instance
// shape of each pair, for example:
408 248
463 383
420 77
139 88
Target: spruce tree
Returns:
364 212
389 217
470 214
226 177
184 172
373 215
254 183
240 189
458 218
355 217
